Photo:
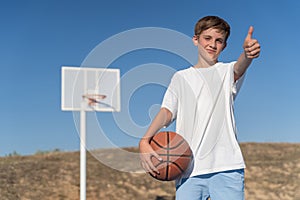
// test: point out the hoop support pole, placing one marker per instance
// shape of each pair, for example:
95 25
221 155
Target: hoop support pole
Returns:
82 154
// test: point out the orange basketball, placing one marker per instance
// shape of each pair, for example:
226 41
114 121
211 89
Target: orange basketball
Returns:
174 151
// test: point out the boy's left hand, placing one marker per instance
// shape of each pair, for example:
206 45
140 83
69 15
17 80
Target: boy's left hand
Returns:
251 45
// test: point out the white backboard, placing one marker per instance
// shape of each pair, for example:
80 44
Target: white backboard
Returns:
80 81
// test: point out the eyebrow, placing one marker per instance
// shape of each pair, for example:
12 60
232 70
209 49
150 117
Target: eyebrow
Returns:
223 36
218 38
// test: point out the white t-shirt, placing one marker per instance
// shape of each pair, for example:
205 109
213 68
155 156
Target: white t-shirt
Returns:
201 100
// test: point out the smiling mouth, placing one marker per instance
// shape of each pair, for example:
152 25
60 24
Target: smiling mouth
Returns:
211 51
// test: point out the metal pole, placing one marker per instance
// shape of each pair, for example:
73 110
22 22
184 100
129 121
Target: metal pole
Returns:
82 154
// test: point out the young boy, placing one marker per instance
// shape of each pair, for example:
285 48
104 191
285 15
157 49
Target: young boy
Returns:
201 98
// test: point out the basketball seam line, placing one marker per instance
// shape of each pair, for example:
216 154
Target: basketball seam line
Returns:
168 148
167 165
177 155
168 159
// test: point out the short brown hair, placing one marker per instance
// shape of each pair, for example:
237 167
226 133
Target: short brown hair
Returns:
212 22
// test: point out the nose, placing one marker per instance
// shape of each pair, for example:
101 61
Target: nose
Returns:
213 44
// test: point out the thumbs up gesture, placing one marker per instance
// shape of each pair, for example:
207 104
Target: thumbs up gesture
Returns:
251 46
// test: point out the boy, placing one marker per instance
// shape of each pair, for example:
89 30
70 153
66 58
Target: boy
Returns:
201 99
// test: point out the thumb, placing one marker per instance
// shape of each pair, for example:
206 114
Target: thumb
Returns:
250 32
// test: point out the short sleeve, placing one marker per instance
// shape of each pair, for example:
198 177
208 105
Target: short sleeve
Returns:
170 100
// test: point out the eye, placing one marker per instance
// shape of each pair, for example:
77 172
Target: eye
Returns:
220 41
207 38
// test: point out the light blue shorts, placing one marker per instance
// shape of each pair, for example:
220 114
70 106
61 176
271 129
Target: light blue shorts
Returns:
227 185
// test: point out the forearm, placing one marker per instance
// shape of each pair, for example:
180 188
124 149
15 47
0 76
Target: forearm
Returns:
162 119
251 50
241 66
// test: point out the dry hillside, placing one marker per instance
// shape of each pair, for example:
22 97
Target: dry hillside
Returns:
273 172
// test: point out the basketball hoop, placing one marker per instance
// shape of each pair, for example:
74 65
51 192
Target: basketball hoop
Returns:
80 92
94 98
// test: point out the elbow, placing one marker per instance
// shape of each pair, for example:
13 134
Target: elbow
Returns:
237 76
167 116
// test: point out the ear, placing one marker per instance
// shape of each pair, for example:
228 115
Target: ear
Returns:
195 40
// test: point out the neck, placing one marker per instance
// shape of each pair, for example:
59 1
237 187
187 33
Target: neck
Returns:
204 63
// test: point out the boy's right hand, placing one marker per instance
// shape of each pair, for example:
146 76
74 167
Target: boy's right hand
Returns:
146 153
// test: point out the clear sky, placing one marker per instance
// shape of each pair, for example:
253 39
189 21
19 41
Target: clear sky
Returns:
38 37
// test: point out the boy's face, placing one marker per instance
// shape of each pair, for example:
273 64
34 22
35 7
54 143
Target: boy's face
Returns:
211 43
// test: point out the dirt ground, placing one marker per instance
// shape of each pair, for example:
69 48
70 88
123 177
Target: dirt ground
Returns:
273 172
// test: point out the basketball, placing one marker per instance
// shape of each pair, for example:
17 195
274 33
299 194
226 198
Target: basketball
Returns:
175 153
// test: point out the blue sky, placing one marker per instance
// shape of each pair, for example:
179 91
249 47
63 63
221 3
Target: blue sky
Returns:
38 37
